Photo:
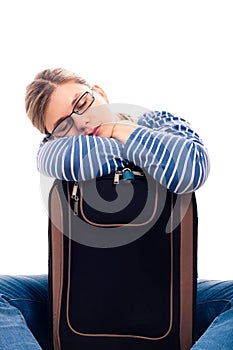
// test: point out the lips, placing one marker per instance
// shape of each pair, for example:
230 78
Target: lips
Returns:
94 131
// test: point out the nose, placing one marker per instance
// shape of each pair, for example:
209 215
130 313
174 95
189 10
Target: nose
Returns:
81 123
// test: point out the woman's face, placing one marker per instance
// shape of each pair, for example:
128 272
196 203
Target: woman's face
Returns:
61 105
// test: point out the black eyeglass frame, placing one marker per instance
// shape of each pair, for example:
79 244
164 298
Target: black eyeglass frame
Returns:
52 135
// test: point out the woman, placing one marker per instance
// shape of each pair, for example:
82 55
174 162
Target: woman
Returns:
61 104
84 139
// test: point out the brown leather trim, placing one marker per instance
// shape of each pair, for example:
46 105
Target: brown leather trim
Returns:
186 275
122 335
57 263
155 206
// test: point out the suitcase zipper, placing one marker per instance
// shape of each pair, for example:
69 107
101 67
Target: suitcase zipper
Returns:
75 197
126 174
117 176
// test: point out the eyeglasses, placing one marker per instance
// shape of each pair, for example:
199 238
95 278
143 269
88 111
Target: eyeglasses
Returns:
81 105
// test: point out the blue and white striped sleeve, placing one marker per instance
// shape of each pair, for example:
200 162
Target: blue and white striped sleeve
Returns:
170 151
79 158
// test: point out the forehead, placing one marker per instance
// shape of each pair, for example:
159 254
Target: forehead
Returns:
61 102
67 90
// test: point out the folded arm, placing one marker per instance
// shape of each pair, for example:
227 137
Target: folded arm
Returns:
79 158
164 145
170 151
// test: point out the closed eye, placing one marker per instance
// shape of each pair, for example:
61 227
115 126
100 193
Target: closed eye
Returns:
81 104
64 127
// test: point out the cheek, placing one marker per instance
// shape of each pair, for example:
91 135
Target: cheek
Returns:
49 124
101 114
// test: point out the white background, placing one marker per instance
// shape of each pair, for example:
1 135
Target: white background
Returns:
164 55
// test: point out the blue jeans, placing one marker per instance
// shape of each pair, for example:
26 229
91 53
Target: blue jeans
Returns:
214 318
23 313
24 323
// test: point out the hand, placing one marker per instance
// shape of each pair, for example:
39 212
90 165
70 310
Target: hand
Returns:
117 130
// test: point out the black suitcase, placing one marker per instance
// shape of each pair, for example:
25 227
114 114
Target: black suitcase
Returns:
122 264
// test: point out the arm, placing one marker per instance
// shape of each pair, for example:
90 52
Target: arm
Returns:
79 158
163 145
169 150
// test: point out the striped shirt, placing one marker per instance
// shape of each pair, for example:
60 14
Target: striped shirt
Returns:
163 145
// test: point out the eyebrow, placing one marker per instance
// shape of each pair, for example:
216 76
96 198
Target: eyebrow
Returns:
76 96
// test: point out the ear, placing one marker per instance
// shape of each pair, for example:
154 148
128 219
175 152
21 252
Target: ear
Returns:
100 91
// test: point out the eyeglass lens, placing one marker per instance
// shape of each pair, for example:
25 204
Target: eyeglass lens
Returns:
83 103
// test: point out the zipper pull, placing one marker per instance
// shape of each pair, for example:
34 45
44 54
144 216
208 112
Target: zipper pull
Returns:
75 191
74 196
76 207
116 179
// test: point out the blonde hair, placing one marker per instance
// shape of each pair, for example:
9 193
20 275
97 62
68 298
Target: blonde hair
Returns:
39 91
124 116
